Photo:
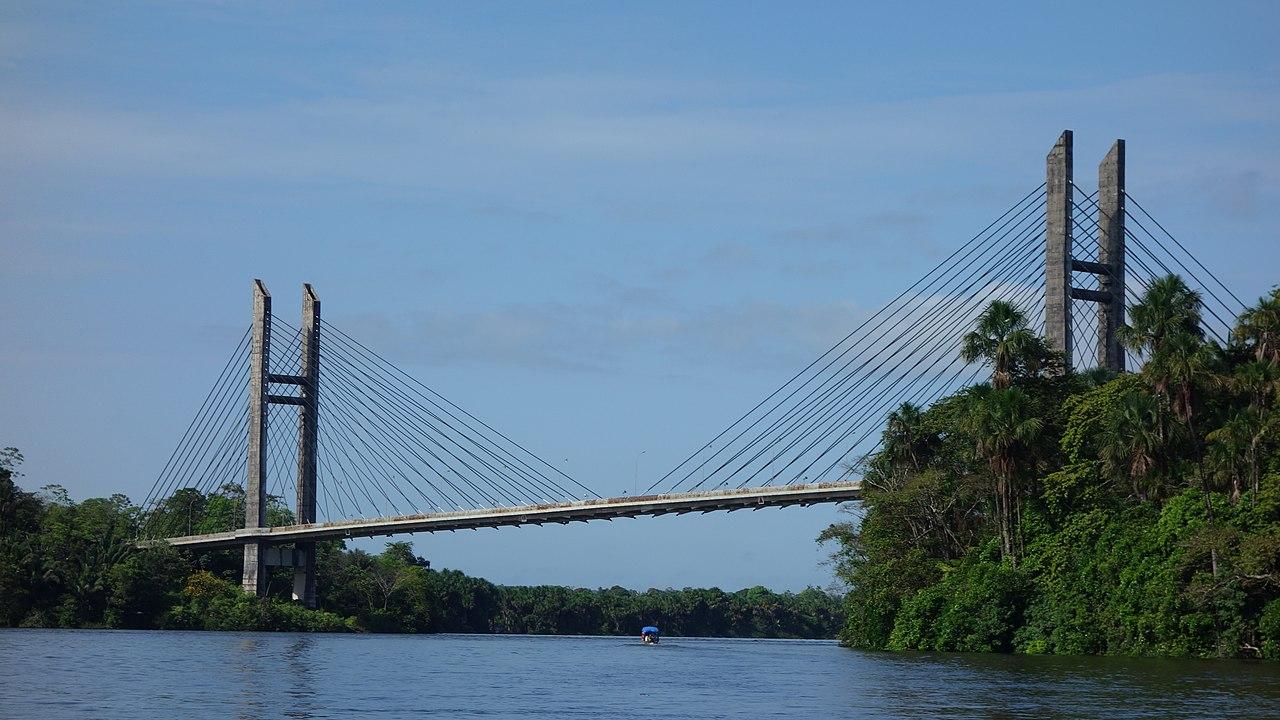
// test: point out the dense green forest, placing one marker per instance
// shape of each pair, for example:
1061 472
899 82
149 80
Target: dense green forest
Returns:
68 564
1053 512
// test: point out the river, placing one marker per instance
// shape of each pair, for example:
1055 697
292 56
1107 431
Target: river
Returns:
53 674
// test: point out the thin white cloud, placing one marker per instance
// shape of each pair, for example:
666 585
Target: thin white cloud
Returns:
508 132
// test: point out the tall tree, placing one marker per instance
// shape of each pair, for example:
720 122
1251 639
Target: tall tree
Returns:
1001 338
1179 370
1238 445
1168 308
1259 327
906 442
1005 428
1135 446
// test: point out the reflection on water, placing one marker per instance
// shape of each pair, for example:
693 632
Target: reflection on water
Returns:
96 674
300 689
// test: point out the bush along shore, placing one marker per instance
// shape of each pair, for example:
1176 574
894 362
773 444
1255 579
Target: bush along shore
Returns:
1052 512
69 564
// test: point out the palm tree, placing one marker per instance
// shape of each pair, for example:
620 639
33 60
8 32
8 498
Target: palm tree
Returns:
1260 327
1256 381
906 442
1005 428
1135 445
1242 438
1001 338
1168 308
1183 363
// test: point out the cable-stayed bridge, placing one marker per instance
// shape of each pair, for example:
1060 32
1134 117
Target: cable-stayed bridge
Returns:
362 448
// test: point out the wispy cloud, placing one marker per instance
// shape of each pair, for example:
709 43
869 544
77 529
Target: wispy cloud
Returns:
488 132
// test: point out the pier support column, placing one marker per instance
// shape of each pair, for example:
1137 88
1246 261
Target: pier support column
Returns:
1111 254
304 576
255 496
1058 236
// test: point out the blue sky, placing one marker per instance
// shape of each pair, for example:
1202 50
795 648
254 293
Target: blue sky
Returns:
605 229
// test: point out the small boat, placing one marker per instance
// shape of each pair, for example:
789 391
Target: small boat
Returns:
649 635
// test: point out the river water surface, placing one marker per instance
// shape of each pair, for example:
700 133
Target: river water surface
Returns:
52 674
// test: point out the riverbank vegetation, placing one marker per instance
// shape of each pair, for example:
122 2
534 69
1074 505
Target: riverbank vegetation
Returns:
69 564
1053 512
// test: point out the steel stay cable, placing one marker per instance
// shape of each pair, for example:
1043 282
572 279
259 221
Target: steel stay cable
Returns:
1201 292
1169 271
916 304
228 448
865 323
187 434
853 465
1018 298
291 364
1183 247
1025 290
1130 294
283 455
363 470
363 410
939 315
953 308
211 430
395 403
879 405
470 434
225 424
323 462
403 430
224 377
351 431
283 446
957 306
1137 257
403 401
359 475
356 432
1038 329
341 477
451 404
393 461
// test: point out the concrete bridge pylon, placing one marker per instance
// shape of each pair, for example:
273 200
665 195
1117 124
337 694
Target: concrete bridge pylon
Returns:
257 558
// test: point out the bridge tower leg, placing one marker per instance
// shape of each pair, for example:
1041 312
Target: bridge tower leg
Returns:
1111 257
1058 238
255 497
304 575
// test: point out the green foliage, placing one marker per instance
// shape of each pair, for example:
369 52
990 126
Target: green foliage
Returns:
1143 510
1269 628
975 608
211 603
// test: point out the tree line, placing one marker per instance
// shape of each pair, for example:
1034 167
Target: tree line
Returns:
74 564
1048 511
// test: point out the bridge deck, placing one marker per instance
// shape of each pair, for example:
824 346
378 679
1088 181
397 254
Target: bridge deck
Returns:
563 513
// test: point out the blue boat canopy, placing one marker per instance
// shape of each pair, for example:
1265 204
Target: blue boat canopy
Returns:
648 630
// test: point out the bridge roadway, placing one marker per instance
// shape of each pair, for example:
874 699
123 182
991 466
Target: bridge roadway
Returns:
562 513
